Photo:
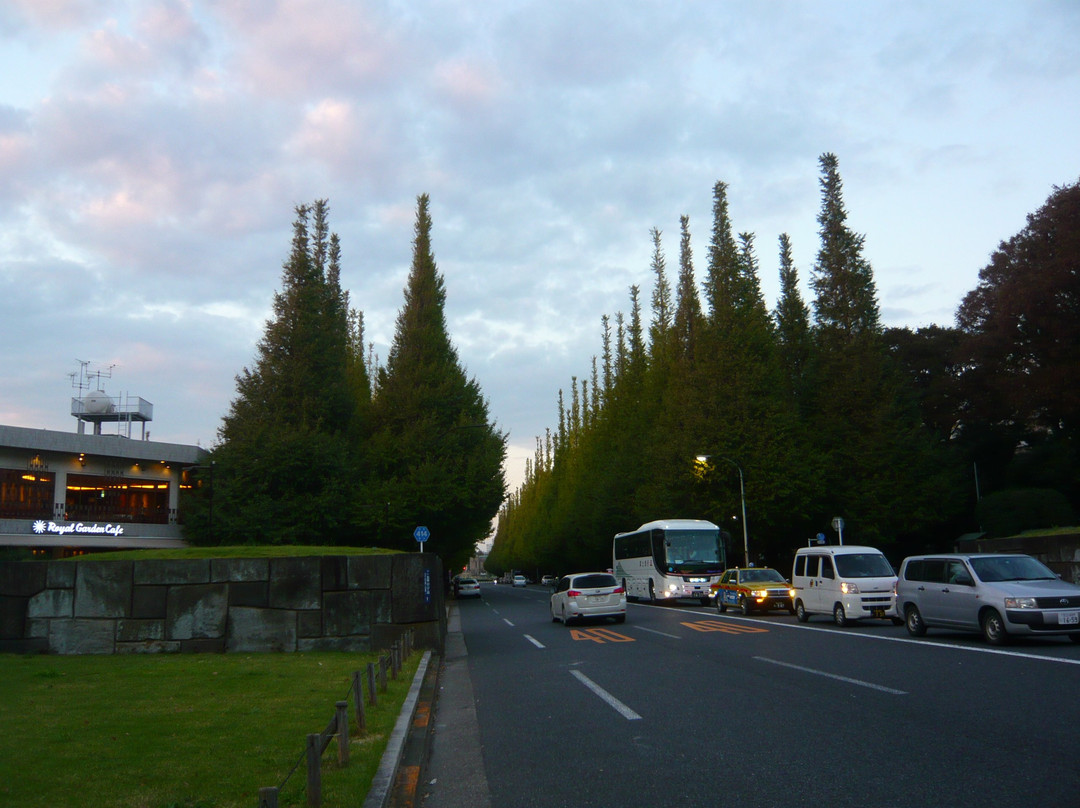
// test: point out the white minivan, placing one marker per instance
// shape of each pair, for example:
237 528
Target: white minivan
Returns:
848 582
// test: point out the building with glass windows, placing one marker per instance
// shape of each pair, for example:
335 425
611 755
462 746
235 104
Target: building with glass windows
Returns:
65 492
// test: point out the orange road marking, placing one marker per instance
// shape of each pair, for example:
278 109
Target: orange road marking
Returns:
600 635
726 628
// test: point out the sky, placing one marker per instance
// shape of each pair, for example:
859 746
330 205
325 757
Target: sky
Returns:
152 153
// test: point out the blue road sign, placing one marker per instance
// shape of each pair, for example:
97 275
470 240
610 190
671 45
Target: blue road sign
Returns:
421 534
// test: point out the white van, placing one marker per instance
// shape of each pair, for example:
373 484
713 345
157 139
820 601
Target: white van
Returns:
848 582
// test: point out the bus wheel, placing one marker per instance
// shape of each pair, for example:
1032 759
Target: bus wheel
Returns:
626 589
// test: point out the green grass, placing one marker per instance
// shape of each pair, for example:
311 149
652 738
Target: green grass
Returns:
182 731
236 551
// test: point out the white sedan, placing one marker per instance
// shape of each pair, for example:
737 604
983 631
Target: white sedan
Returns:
588 594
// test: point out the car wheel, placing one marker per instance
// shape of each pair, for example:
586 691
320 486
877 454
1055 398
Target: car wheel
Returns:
914 622
745 607
721 607
993 628
800 612
838 615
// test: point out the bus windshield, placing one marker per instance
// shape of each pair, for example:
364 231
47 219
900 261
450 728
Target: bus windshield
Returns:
687 551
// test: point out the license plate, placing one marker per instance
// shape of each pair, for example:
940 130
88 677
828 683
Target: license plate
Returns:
597 598
877 612
1069 619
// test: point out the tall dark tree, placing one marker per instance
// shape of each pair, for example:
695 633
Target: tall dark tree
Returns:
280 468
1019 346
792 317
438 457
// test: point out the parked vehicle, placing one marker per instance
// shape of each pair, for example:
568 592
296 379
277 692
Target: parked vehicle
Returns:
519 580
752 588
1000 595
466 587
849 582
548 580
588 594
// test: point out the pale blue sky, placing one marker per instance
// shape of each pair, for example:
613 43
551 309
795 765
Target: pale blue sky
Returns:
151 154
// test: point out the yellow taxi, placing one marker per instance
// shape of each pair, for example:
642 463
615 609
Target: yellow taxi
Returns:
752 588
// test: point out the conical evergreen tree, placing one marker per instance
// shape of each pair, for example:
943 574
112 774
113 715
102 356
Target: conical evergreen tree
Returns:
438 457
280 467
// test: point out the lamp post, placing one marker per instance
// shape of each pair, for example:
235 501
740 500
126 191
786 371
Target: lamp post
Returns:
742 497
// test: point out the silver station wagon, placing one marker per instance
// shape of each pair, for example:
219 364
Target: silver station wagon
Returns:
997 594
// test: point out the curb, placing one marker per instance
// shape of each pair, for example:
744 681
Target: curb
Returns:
386 775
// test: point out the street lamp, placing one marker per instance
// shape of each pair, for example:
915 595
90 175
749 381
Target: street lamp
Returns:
742 496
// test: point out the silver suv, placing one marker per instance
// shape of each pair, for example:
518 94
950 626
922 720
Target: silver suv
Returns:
999 595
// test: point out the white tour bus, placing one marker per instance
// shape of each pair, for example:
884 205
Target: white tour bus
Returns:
670 558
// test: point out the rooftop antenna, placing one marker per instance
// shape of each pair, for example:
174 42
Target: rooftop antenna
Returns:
97 407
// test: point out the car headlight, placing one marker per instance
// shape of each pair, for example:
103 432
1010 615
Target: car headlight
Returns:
791 593
849 589
1020 603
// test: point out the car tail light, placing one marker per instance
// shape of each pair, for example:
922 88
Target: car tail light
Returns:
618 591
573 593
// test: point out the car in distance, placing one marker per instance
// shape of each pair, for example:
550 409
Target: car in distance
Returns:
519 580
588 594
999 595
548 580
753 588
466 587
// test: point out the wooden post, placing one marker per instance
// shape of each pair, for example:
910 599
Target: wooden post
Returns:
382 674
358 698
372 698
268 797
395 664
314 770
342 733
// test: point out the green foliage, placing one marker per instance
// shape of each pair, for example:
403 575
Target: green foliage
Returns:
1012 511
816 416
311 453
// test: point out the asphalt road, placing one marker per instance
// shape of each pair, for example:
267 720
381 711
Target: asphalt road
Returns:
683 707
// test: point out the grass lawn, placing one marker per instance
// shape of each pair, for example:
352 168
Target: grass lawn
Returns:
182 731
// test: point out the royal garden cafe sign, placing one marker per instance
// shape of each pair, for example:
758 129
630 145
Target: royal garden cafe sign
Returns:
80 528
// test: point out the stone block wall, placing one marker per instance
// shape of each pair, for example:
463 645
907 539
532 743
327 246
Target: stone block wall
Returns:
307 603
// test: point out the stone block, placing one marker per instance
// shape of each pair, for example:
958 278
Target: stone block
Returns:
239 569
103 589
309 624
253 630
417 587
356 645
22 578
335 573
139 630
82 636
196 612
347 613
370 571
250 593
149 602
52 603
162 572
37 629
61 574
12 617
148 647
295 583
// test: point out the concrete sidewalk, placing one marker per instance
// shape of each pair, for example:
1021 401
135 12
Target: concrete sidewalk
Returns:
442 764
